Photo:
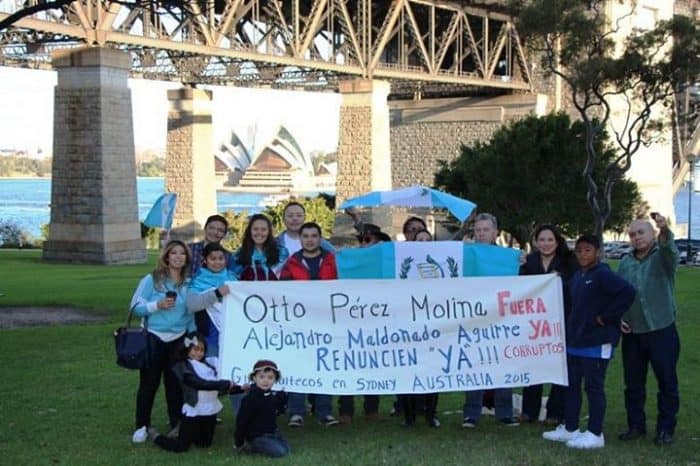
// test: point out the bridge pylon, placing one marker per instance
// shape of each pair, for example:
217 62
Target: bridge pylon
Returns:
94 209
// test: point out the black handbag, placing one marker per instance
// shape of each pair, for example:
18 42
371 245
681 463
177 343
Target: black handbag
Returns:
131 344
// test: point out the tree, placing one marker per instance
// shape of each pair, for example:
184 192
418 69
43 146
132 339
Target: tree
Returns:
529 173
635 77
316 209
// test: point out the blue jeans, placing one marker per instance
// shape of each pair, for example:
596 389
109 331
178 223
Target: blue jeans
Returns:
661 348
592 371
503 401
270 444
296 404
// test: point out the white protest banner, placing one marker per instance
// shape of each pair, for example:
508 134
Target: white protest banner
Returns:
397 336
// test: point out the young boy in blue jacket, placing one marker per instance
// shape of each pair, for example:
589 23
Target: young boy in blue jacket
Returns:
599 297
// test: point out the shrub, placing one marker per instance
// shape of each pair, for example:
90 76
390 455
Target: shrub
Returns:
45 230
12 235
236 226
151 236
316 208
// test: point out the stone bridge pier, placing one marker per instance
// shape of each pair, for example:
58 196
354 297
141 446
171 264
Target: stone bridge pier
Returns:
364 157
189 162
94 210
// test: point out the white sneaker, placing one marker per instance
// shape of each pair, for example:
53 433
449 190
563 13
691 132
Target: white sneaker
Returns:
140 435
296 421
560 434
587 440
329 421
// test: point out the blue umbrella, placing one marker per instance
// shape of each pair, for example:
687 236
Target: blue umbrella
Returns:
414 196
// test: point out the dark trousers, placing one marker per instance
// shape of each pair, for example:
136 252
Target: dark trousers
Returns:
590 371
661 348
346 405
269 444
532 401
162 358
198 430
411 403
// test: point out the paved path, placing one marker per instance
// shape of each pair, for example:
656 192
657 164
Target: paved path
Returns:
12 317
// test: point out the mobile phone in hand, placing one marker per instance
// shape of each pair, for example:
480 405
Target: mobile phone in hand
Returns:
171 294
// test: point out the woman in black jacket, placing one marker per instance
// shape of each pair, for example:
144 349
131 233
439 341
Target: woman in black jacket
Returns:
551 255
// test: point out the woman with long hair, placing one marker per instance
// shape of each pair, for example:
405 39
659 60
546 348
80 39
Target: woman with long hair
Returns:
160 301
260 256
550 255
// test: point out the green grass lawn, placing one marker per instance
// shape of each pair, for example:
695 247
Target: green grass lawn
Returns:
65 401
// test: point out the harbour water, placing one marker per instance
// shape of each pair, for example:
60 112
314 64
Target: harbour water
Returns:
26 202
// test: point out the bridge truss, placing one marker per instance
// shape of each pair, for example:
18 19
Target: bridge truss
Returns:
421 46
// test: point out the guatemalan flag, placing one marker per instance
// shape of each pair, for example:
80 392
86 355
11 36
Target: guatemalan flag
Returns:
162 212
424 259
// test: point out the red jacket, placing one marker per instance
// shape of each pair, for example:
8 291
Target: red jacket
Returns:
295 268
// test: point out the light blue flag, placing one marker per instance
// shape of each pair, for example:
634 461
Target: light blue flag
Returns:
162 212
427 260
376 261
486 260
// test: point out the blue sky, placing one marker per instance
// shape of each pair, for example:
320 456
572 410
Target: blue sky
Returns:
26 121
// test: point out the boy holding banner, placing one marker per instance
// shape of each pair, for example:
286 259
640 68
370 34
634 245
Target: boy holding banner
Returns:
312 262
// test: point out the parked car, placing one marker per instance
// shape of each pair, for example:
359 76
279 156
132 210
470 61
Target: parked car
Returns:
682 245
617 251
610 246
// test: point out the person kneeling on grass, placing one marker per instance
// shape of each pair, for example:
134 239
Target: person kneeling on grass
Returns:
256 423
599 297
200 389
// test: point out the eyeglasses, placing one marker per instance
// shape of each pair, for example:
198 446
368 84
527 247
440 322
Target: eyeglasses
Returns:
366 240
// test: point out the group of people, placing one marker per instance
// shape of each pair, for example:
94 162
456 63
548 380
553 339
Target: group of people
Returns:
635 303
180 303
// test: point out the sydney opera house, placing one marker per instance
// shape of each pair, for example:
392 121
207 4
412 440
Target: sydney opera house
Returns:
280 165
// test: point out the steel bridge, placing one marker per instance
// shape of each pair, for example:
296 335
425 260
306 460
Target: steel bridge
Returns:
429 47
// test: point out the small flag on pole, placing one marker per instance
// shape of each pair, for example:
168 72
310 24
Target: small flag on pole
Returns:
162 212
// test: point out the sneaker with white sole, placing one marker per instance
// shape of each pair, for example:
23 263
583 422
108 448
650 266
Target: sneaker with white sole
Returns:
469 422
140 435
329 421
296 421
433 422
587 441
560 434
